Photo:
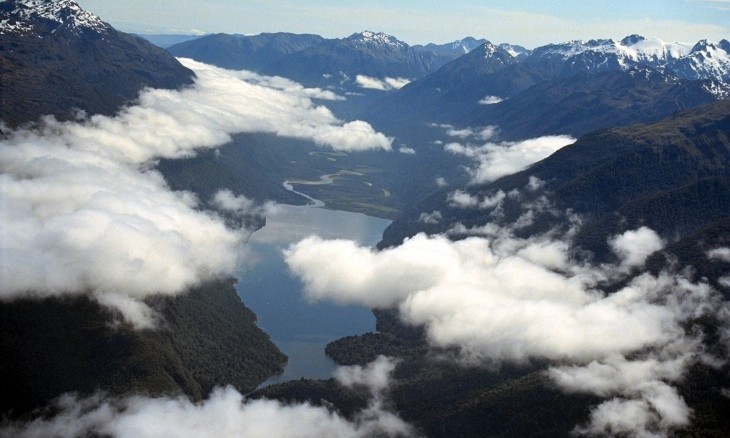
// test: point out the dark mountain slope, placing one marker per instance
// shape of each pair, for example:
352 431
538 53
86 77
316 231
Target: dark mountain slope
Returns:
628 172
56 56
338 62
55 346
60 59
587 102
424 100
242 51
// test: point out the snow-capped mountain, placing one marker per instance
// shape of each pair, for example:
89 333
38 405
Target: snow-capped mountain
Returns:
634 79
514 50
704 60
63 59
37 16
630 51
376 39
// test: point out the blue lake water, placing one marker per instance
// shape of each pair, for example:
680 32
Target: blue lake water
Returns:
299 328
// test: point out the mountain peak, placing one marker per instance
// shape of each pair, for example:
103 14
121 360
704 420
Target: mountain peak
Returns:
376 38
27 16
466 45
632 39
703 45
514 50
725 45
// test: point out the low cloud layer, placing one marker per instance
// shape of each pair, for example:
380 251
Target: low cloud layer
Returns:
495 160
226 413
84 212
500 299
490 100
384 84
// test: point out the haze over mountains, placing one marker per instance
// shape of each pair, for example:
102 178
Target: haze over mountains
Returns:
559 262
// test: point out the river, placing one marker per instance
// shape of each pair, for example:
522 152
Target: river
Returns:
299 328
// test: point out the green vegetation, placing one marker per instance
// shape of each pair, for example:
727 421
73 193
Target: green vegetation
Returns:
61 345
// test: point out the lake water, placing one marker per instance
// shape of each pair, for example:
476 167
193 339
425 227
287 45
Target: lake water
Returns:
299 328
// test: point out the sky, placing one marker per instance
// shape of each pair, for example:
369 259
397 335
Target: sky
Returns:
530 23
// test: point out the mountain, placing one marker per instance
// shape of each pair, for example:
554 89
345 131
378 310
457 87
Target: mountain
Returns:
476 89
315 61
56 58
704 60
166 40
453 49
425 97
672 175
340 61
59 345
586 102
244 52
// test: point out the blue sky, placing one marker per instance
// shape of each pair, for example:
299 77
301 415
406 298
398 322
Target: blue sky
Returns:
527 22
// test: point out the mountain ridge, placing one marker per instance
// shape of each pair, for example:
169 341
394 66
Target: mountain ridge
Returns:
57 59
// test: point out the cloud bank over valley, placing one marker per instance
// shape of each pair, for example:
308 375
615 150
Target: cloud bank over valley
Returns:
84 211
499 299
226 413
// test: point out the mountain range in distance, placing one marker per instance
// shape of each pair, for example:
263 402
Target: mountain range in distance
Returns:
397 86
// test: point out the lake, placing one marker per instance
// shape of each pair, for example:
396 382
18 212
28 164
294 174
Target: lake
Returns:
299 328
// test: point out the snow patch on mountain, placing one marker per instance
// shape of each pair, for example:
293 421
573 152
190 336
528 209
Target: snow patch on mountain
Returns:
704 60
20 16
514 50
377 39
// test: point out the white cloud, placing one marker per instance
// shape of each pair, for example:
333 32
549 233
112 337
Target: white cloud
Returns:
495 160
722 254
226 413
407 150
492 298
384 84
634 246
484 133
462 199
490 100
535 183
431 218
82 211
375 376
502 299
724 281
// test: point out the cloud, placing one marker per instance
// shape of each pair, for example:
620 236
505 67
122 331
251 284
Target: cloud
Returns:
384 84
499 298
375 376
722 254
495 160
490 100
226 413
535 183
462 199
431 218
407 150
84 212
494 297
484 133
634 246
